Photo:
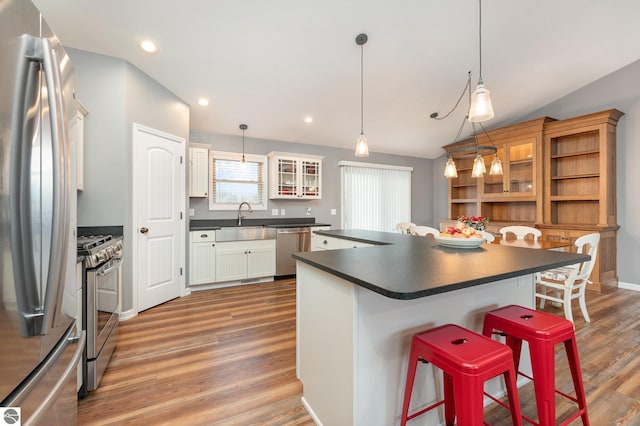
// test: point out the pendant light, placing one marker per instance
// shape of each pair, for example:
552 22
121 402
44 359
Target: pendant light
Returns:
243 127
481 108
362 148
465 150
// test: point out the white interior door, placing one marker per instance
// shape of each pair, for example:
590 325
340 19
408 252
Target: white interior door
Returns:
159 199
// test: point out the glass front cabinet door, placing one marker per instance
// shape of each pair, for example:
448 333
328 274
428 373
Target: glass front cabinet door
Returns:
294 176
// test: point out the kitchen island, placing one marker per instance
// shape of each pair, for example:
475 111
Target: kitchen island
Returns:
358 308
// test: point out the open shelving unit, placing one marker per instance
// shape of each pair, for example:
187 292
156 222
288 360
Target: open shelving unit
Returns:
559 176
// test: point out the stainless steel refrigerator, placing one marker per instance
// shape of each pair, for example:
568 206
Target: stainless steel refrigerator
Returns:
39 344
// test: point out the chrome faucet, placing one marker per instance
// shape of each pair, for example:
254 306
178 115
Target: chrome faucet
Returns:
240 217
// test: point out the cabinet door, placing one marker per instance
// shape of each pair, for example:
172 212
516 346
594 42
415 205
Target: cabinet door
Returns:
310 179
285 178
517 179
231 262
261 261
519 176
198 172
203 263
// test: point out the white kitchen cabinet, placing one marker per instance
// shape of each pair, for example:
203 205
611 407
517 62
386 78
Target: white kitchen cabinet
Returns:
239 260
353 244
293 176
202 257
322 242
318 241
198 172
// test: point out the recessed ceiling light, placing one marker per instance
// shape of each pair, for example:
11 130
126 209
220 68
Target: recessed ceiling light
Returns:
148 46
203 101
308 119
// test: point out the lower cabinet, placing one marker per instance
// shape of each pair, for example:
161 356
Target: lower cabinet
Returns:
238 260
202 257
321 242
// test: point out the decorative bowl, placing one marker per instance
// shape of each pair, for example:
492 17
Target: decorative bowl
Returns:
459 242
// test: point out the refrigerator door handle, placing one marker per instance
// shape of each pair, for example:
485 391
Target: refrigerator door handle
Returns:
57 264
52 397
24 126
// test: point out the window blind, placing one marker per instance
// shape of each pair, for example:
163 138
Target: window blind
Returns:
375 197
233 182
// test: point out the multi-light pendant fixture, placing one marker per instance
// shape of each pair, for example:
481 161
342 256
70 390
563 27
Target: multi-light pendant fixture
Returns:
480 109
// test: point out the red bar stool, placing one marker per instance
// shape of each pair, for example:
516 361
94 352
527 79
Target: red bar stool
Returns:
542 331
467 360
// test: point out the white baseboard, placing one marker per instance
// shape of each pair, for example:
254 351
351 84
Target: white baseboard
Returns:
210 286
629 286
127 315
312 414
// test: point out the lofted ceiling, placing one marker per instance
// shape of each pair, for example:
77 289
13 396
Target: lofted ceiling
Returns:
270 63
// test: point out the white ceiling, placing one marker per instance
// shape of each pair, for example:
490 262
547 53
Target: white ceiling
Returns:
270 63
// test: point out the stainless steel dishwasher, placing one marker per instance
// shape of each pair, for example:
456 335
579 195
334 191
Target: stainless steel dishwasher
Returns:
289 241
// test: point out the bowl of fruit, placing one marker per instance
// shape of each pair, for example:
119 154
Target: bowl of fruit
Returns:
460 236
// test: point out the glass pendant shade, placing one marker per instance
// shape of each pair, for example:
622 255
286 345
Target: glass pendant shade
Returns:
481 108
362 148
496 167
450 170
479 168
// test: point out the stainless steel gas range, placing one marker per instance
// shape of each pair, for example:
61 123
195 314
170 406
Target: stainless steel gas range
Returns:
101 285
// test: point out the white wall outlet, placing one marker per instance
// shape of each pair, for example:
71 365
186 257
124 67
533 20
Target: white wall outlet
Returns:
192 212
281 212
274 212
308 211
333 212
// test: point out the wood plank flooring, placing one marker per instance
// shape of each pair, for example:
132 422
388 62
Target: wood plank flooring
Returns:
227 357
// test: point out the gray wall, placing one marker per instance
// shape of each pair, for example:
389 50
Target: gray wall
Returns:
117 94
618 90
421 179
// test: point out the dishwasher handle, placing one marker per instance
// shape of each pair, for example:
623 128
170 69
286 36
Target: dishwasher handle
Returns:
295 231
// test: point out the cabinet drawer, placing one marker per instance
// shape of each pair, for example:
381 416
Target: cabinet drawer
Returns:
320 242
208 235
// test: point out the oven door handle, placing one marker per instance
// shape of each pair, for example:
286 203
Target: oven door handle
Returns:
116 264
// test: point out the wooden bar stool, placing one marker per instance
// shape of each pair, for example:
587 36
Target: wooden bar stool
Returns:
467 360
542 332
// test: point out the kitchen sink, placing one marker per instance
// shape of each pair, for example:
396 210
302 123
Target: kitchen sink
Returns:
244 233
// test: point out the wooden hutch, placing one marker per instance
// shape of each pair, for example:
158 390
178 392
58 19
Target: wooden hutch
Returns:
558 176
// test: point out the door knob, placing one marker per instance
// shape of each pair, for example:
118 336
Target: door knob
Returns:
144 230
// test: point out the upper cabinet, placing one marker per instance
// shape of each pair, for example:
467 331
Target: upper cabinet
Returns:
198 172
513 196
294 176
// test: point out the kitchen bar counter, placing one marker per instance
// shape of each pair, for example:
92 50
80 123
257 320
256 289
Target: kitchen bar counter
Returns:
358 308
409 267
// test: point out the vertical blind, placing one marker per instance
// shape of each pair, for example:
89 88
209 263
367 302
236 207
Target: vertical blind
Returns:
375 197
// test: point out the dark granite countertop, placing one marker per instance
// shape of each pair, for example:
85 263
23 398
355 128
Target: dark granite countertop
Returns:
213 224
410 267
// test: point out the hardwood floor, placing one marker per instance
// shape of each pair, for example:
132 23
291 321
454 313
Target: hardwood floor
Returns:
227 357
215 357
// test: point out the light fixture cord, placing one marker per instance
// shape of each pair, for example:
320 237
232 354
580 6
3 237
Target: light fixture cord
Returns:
480 39
362 89
243 146
467 86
